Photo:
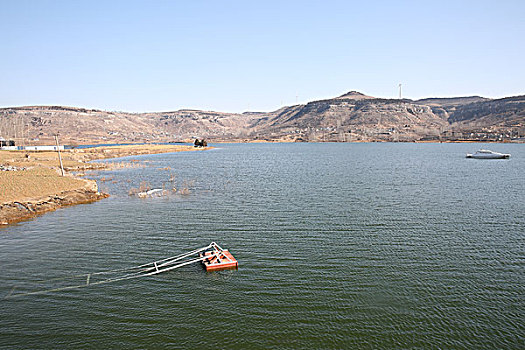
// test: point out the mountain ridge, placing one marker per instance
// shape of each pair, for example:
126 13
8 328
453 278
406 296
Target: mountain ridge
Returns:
352 116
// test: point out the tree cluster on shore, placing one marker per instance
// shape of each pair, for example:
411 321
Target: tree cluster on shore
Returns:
200 143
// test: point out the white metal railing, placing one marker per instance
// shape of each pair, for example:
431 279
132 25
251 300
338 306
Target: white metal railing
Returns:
149 269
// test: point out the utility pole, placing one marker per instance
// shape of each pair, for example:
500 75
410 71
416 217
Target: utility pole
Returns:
400 91
59 156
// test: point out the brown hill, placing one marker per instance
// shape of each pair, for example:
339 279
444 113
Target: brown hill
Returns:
349 117
355 95
38 124
450 101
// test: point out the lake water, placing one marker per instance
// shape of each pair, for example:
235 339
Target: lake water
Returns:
340 246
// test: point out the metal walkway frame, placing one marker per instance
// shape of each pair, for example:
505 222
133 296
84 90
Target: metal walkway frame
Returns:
149 269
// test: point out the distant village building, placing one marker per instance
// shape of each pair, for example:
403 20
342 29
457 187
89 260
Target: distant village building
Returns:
10 145
7 144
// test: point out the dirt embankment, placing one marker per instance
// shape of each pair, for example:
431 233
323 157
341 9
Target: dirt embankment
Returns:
31 191
31 183
16 211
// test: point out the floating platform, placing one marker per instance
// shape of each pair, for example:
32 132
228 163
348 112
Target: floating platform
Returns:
216 260
213 257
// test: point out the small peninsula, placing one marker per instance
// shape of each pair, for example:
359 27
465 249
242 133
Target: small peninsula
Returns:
31 183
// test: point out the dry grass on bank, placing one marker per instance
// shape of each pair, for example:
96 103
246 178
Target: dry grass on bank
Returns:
41 177
77 158
37 158
87 154
37 182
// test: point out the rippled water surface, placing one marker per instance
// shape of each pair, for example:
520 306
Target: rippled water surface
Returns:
339 245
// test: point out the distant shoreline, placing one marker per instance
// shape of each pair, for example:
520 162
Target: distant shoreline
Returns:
31 182
365 141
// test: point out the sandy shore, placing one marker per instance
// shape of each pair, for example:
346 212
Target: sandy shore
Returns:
31 184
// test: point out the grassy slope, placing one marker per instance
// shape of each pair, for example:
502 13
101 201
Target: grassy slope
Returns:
34 183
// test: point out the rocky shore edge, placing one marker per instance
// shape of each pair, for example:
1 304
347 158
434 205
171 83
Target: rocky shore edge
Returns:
16 211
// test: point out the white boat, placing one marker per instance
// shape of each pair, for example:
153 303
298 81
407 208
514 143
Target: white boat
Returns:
486 154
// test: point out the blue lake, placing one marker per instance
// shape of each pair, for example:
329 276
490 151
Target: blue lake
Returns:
355 245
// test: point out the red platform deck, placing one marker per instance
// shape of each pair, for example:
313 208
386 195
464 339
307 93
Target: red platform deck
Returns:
224 260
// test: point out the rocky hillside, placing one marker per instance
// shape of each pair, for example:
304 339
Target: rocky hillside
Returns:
451 101
349 117
353 117
506 112
38 124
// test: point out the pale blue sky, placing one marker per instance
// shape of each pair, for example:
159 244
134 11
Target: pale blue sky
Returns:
234 56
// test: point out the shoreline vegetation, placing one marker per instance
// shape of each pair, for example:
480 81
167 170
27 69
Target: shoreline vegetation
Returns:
31 183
